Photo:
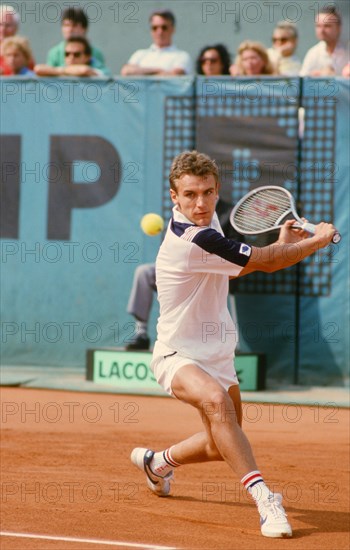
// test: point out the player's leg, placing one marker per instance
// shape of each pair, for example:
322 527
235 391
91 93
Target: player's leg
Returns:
200 447
221 415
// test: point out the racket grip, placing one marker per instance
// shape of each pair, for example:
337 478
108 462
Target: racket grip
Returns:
310 228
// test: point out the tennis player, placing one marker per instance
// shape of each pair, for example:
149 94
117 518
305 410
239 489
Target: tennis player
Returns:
194 352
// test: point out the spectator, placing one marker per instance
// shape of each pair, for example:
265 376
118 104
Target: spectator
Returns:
77 61
9 23
282 54
74 22
329 56
252 60
346 71
17 56
213 61
144 285
162 57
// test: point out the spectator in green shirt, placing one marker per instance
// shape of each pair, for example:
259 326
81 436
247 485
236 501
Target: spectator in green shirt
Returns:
75 23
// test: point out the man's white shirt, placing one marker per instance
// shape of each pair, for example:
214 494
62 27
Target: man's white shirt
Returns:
167 59
318 58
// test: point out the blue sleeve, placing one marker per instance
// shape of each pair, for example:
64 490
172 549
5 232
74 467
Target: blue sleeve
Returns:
214 243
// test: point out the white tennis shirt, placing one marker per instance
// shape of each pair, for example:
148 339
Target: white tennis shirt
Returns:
192 275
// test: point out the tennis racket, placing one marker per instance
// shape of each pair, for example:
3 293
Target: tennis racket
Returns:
267 208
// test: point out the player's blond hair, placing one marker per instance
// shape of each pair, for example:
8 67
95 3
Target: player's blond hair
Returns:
194 163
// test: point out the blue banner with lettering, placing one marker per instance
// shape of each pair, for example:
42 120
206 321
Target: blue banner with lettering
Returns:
83 160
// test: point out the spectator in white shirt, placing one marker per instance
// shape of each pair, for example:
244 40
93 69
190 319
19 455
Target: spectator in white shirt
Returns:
162 57
282 54
329 56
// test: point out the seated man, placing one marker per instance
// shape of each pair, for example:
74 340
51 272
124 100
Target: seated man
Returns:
75 23
162 57
282 54
140 305
77 61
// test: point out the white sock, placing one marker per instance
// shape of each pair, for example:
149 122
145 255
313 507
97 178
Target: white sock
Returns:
260 491
256 486
162 463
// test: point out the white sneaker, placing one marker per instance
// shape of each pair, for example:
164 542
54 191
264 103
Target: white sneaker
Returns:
273 518
142 459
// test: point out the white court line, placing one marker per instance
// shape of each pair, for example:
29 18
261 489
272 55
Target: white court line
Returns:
87 541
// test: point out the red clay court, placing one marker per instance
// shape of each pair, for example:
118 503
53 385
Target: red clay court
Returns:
67 481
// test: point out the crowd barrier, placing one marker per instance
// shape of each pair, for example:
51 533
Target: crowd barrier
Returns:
82 161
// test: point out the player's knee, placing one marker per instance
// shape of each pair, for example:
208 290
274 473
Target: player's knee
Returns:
216 404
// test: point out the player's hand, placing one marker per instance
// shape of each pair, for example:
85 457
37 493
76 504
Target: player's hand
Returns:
324 233
290 235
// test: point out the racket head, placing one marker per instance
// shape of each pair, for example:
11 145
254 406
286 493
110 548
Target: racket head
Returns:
263 209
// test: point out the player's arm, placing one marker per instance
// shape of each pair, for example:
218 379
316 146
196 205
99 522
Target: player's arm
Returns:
293 245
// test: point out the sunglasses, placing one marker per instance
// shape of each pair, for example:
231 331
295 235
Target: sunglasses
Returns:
283 39
74 54
163 27
210 60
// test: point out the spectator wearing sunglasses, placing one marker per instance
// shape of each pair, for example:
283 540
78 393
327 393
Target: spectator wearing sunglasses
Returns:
282 53
213 61
77 54
162 57
74 22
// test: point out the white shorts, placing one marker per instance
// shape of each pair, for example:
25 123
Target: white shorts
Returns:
165 364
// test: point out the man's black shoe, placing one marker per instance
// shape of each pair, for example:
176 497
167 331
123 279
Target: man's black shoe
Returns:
141 342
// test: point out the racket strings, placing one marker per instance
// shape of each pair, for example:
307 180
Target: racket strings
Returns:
262 210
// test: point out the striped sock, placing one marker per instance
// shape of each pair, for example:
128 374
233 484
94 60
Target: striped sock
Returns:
255 485
162 463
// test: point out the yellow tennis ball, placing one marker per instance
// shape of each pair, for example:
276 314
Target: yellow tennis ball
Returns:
152 224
